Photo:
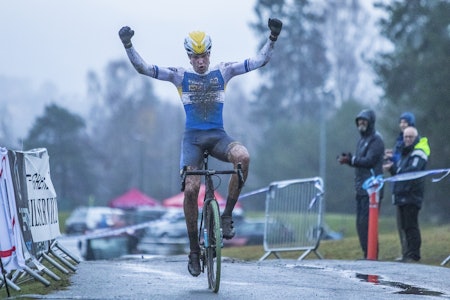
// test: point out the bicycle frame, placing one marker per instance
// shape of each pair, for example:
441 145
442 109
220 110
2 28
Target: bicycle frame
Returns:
210 233
208 173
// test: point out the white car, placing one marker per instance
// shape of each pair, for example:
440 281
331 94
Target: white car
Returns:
85 219
171 225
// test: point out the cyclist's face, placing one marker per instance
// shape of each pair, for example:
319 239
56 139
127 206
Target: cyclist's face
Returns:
200 62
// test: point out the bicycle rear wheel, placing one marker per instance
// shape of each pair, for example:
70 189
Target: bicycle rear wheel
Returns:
214 251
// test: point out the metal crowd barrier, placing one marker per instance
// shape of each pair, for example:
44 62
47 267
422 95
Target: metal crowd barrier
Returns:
294 214
57 258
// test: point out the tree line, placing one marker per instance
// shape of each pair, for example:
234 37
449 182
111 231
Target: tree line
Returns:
295 123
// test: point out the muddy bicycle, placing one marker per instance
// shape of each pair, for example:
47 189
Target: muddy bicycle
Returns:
210 232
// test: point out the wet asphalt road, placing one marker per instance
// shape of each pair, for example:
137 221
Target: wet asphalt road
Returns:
166 277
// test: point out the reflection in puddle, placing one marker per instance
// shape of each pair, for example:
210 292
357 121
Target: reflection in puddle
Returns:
406 288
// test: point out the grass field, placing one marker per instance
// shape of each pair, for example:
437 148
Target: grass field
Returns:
435 243
435 248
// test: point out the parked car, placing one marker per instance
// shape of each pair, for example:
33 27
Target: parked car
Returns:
171 225
166 236
251 232
144 214
248 232
85 219
106 247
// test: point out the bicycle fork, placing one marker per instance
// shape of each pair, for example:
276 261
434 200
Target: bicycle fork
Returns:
204 236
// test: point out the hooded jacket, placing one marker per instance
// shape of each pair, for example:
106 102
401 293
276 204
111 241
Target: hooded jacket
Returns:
369 153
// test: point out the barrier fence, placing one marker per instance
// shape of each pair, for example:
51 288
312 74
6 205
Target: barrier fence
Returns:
29 222
293 220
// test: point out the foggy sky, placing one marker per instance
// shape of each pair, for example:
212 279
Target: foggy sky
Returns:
52 44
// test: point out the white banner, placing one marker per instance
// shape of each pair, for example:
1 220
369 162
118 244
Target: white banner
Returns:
42 201
11 250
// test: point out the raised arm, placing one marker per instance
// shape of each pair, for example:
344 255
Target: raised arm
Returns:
263 56
142 67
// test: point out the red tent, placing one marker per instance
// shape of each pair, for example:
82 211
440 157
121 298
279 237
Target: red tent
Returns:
132 199
178 199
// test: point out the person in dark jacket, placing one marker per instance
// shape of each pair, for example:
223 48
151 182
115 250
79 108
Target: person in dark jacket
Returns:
367 161
408 195
393 155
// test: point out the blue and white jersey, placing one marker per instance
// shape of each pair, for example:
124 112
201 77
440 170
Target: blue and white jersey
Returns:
203 95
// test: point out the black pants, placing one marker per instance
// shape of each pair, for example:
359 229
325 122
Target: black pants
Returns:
402 235
362 221
409 223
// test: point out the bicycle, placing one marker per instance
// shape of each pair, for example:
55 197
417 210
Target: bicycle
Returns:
210 235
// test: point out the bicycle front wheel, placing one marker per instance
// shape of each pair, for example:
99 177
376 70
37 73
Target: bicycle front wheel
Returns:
214 251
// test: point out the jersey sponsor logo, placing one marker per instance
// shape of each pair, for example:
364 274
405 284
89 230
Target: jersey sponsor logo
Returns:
203 88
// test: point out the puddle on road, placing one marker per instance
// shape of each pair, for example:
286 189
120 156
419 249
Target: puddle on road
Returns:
406 288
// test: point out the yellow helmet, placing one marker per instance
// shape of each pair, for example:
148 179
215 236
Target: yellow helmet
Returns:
197 42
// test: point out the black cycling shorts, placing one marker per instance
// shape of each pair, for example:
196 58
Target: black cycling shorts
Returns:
195 142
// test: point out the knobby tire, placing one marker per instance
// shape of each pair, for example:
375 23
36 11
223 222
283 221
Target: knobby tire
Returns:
215 239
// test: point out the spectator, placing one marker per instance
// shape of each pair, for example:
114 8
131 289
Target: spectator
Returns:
367 161
408 195
406 119
393 155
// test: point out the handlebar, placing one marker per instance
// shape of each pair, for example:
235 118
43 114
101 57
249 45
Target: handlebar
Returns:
210 172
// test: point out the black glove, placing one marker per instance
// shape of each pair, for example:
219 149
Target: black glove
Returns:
125 34
345 158
275 28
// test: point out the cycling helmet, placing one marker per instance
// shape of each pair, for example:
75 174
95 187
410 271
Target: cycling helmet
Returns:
197 42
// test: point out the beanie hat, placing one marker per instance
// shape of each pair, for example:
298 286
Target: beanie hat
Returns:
409 118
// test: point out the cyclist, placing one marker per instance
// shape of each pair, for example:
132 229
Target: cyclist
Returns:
202 90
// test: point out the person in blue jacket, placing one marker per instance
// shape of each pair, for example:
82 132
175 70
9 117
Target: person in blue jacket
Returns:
406 119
